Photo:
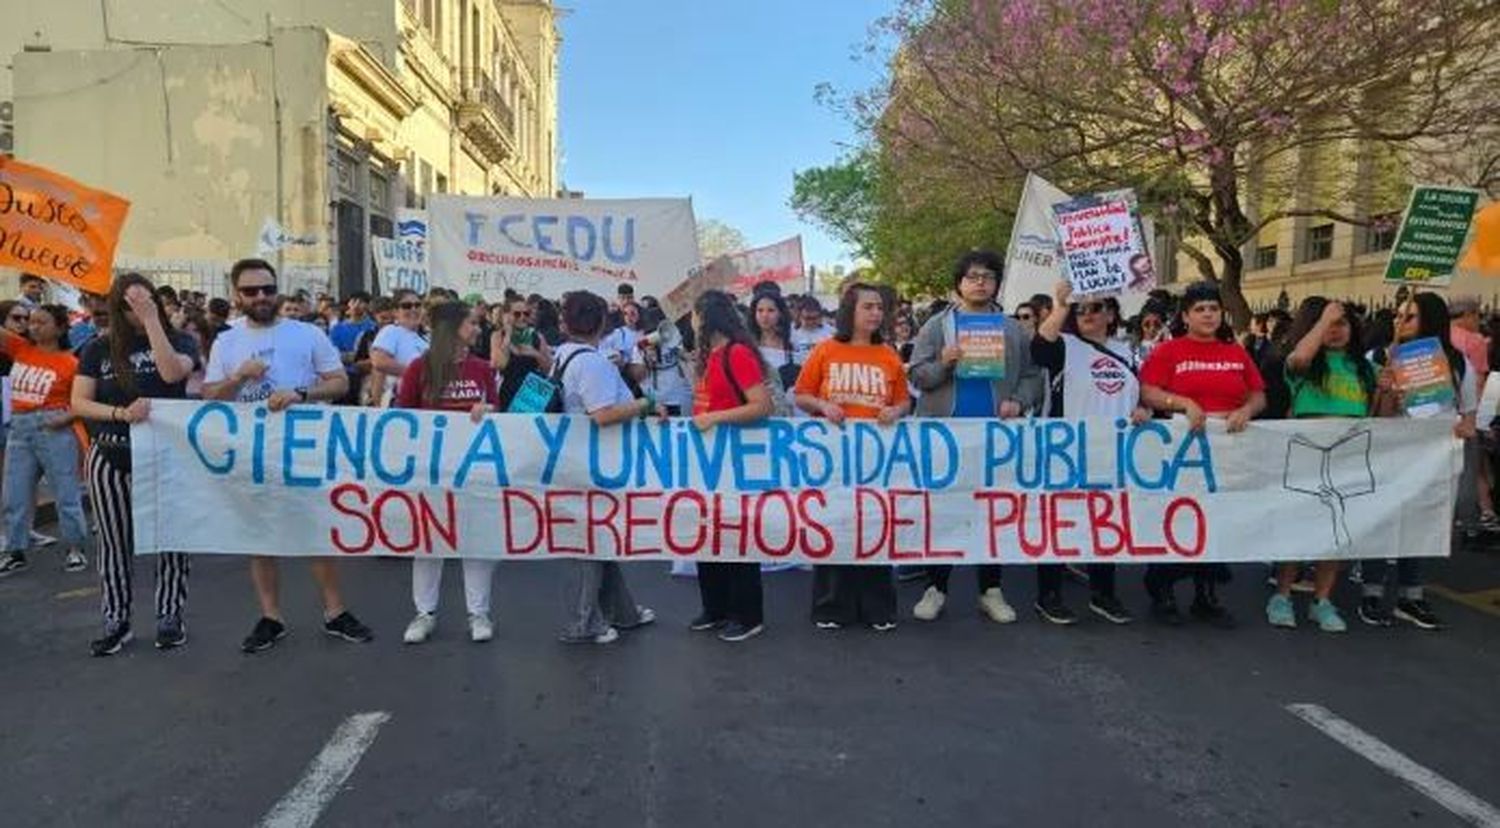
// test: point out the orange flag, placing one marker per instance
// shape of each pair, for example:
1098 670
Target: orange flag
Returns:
55 227
1483 255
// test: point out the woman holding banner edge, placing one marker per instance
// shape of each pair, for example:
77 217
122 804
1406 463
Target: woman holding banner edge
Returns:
836 384
448 377
731 389
1203 373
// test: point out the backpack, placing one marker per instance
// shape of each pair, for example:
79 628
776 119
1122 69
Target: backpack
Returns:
555 404
772 381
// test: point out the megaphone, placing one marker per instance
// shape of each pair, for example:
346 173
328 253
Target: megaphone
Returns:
666 337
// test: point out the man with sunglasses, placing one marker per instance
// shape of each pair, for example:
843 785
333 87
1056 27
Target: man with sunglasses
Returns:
281 363
934 364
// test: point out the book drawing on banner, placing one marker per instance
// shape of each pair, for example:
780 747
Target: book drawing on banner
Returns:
533 397
981 339
1424 377
1103 251
1332 472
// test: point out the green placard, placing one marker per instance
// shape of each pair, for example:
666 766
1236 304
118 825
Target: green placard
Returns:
1432 235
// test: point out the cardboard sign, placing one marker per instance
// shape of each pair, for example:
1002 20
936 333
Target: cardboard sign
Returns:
55 227
981 338
1424 377
356 482
1103 252
1431 239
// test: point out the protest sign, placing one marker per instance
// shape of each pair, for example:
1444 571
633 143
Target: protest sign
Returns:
1424 377
349 482
980 338
1103 251
400 264
1033 263
55 227
1431 237
738 273
552 246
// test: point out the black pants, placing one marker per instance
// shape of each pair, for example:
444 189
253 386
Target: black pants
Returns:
987 574
1049 579
853 594
1161 578
731 592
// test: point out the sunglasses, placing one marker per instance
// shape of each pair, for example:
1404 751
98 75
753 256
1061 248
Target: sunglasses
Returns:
1090 307
521 315
258 290
1025 317
20 317
410 306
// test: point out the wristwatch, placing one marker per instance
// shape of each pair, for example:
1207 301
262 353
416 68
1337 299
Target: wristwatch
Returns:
302 394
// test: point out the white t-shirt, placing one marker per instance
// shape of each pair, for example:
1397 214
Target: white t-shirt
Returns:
667 381
1095 384
620 342
295 352
804 340
400 343
591 382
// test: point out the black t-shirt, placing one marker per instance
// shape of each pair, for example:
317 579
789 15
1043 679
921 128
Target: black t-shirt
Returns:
95 362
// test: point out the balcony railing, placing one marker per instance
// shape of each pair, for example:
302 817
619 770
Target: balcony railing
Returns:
485 92
486 118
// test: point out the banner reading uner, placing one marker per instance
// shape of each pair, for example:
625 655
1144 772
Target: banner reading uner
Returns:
347 481
55 227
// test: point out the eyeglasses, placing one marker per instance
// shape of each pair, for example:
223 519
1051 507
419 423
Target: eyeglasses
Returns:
978 276
258 290
410 306
1090 307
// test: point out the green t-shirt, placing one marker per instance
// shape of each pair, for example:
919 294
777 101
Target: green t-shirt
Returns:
1339 395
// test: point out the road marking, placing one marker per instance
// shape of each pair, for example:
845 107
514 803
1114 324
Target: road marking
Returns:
1429 783
1486 600
81 592
326 773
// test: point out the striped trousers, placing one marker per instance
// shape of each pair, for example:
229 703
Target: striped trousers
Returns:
109 489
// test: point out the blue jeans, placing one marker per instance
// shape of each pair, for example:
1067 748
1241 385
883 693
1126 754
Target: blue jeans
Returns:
30 446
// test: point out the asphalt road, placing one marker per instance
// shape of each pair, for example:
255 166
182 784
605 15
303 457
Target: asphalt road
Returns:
958 722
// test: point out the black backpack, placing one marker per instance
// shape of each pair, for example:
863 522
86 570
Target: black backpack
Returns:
555 405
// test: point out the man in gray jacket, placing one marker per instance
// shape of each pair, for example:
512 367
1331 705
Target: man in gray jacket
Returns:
934 361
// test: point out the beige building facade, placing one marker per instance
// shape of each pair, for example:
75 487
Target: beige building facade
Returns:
316 119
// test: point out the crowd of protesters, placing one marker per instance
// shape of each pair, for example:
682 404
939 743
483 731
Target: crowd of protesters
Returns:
76 382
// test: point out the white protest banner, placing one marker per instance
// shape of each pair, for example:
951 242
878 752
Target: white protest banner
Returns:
551 246
739 273
1103 251
1032 262
347 481
400 264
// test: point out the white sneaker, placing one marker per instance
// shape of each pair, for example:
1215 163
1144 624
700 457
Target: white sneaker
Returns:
992 603
480 628
931 605
39 539
420 628
609 636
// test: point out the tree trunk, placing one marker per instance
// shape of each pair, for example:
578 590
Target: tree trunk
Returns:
1232 294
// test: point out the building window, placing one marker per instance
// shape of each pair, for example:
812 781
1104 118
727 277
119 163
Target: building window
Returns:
1265 257
1319 243
442 183
1381 234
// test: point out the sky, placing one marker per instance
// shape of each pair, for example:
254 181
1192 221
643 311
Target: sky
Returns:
712 99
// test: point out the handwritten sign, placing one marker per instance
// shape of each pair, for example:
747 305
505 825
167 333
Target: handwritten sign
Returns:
1424 377
980 338
55 227
552 246
1103 251
739 273
358 482
1431 238
400 264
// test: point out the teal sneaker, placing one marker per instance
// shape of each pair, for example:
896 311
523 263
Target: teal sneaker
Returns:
1326 616
1279 611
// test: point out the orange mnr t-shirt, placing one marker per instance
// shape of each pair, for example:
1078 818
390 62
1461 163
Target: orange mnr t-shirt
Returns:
862 379
39 380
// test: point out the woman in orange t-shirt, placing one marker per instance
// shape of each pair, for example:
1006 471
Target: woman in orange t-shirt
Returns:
855 375
42 437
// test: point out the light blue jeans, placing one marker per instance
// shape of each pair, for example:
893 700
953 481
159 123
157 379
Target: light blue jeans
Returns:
30 446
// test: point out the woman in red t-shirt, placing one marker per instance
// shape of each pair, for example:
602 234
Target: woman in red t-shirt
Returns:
1203 373
450 378
731 389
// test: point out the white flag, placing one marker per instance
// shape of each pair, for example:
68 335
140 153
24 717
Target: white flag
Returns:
1032 262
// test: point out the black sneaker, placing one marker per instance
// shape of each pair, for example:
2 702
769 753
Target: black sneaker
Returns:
734 631
267 632
1210 611
1165 612
1373 611
1052 609
1418 614
1110 609
12 562
347 627
116 636
170 632
705 622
